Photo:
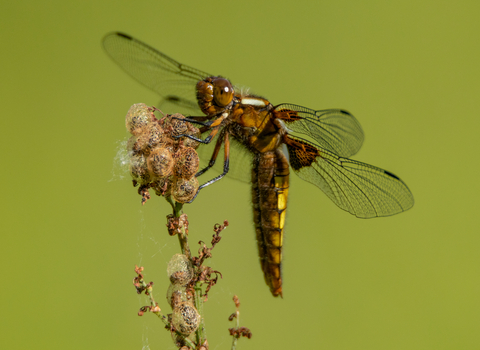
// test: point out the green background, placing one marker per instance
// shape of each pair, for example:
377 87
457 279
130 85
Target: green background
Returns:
73 229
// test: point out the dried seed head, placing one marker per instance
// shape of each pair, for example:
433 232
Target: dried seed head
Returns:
137 118
185 318
187 163
153 151
139 168
184 190
180 270
160 162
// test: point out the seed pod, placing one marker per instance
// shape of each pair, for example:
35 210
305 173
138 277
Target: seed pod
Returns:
160 162
132 146
192 131
179 127
185 318
187 163
137 118
150 136
139 168
176 293
141 142
184 190
154 135
180 270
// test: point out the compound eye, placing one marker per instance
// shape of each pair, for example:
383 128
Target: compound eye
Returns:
222 92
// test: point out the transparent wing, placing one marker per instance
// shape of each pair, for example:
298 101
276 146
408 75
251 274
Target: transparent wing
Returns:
361 189
174 81
335 130
175 104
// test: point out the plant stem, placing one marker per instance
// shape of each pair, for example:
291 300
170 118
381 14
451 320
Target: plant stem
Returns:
201 331
182 236
157 311
198 298
235 339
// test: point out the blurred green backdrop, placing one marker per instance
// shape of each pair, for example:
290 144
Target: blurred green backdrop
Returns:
73 229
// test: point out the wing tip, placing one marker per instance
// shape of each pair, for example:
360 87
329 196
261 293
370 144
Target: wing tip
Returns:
118 34
123 35
391 174
346 112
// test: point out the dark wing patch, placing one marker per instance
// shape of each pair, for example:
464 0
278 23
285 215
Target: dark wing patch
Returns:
361 189
335 130
301 154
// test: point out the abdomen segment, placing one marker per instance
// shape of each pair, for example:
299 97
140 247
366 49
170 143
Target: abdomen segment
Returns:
270 181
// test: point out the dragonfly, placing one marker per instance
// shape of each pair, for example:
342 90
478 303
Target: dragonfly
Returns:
315 144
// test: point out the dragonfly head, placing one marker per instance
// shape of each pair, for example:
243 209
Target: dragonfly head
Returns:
214 95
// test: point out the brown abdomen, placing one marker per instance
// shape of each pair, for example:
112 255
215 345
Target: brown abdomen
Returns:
270 178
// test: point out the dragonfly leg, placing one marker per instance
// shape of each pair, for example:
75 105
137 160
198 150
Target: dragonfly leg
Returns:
207 140
226 164
211 163
212 124
196 120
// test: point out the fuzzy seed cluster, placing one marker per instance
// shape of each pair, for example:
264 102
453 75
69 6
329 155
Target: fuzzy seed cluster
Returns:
159 158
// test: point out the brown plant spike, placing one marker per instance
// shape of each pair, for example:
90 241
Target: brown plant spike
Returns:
160 160
238 331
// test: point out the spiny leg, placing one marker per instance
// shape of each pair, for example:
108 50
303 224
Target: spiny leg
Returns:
207 140
196 120
211 163
213 124
226 163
